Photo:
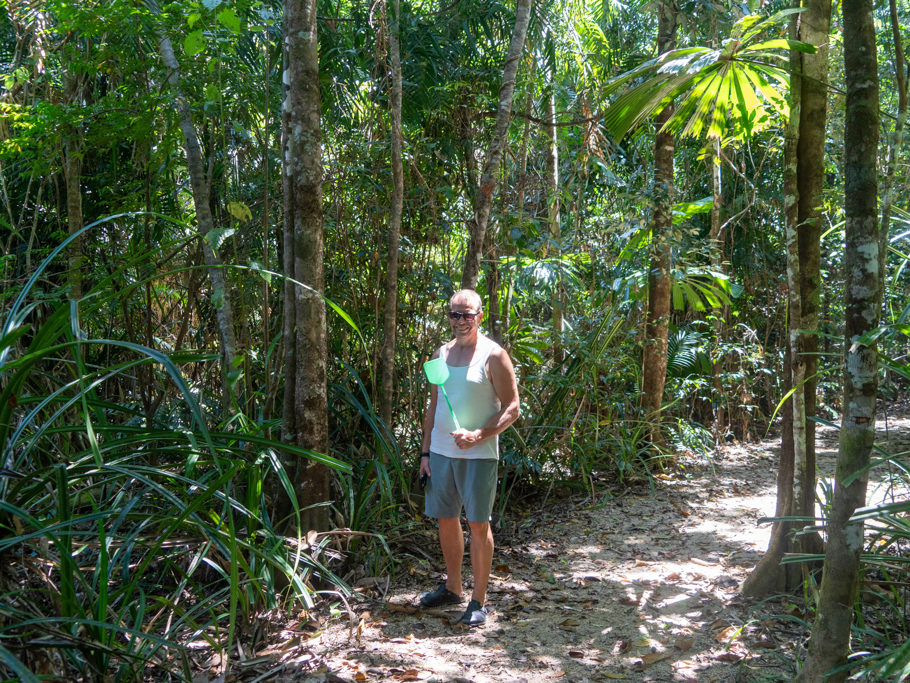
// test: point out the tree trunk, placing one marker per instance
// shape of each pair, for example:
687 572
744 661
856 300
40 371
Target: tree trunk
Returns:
769 576
830 641
72 171
266 234
200 187
305 414
520 201
717 260
897 135
74 220
391 276
654 361
478 225
553 243
815 25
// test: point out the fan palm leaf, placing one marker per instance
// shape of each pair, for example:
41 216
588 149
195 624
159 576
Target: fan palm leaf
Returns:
717 91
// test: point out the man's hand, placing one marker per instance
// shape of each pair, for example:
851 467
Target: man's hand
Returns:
465 438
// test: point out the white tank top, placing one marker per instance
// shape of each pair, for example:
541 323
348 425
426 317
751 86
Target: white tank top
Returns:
474 401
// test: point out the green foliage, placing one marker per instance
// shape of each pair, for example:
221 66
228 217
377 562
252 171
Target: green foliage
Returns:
112 407
145 534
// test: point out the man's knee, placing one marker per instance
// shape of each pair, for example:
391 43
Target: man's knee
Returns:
479 529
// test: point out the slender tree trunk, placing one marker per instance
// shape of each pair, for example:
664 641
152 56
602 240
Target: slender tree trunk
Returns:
200 187
815 24
553 221
720 415
478 225
391 275
897 135
266 235
522 183
830 641
494 325
654 361
305 415
74 220
770 576
72 171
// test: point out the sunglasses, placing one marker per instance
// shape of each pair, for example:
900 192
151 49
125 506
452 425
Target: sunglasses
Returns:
458 315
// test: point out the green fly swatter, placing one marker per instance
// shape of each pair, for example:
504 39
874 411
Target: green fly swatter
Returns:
437 372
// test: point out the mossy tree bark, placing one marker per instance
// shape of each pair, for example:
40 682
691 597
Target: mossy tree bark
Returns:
305 413
830 640
803 184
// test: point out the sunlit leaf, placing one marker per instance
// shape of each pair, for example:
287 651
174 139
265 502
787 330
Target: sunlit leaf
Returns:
194 43
240 211
228 17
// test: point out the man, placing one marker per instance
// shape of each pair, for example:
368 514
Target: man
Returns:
461 464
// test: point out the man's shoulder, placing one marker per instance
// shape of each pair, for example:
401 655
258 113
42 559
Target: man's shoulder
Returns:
496 353
490 345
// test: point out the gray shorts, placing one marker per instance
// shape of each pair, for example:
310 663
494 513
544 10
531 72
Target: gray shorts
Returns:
457 482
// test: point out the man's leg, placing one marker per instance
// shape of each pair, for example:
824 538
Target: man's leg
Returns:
481 558
451 539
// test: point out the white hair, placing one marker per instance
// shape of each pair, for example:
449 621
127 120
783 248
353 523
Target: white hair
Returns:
468 296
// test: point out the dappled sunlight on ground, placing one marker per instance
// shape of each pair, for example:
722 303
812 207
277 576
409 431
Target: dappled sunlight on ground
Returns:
644 587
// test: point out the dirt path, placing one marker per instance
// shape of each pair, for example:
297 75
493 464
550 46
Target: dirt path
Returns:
643 587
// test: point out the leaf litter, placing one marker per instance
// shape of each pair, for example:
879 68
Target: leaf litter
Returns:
641 588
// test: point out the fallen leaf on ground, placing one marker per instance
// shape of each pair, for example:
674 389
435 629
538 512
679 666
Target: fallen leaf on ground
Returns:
578 654
683 643
728 657
650 659
727 634
622 646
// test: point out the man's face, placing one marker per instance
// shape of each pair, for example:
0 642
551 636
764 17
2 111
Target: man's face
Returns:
461 326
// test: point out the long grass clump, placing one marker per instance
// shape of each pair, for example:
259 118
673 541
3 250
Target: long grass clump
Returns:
124 539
